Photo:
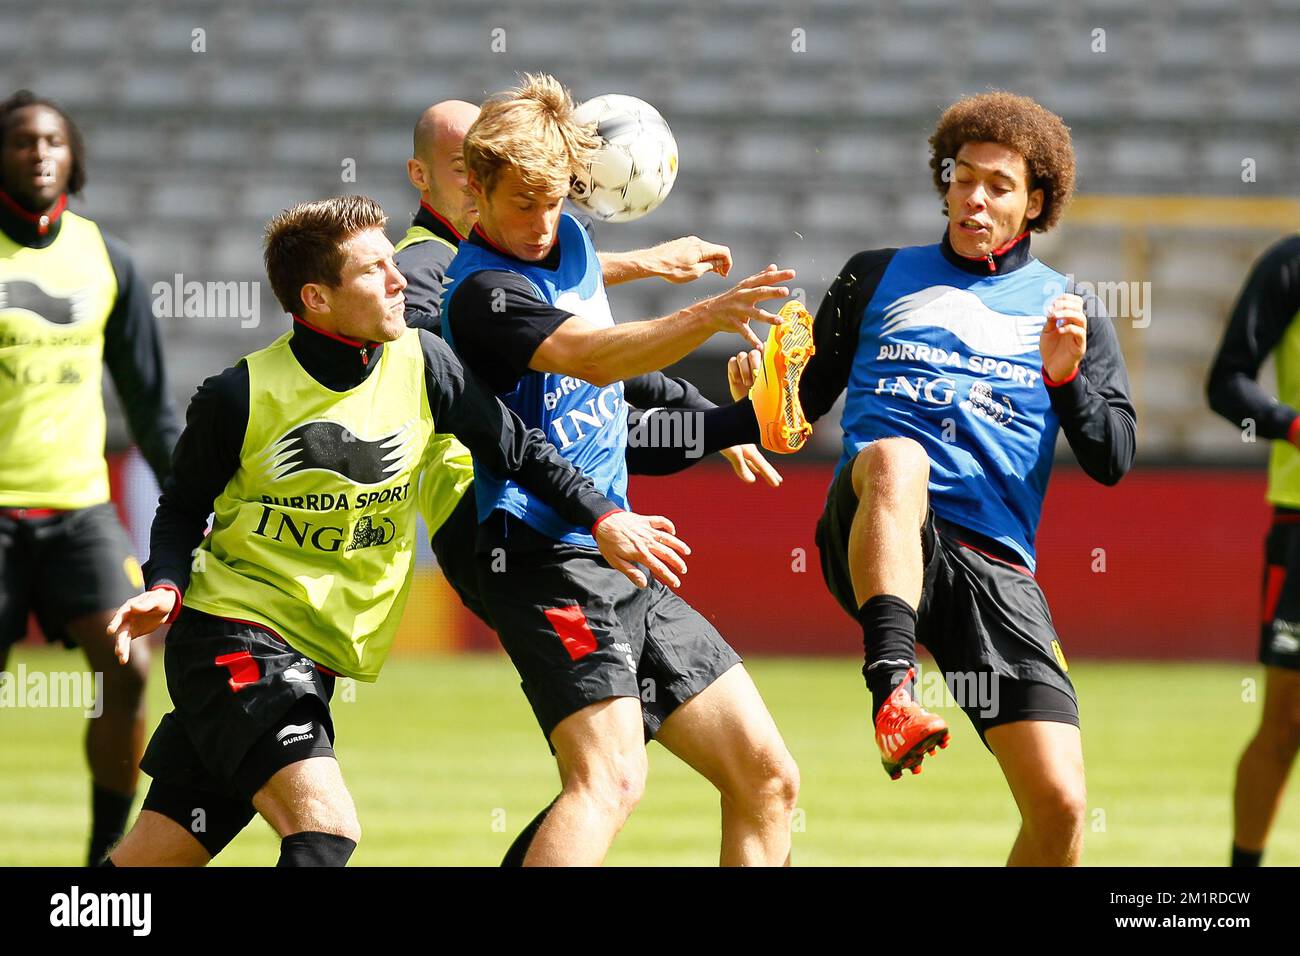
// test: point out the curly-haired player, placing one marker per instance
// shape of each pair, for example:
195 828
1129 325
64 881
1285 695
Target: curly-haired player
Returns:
961 360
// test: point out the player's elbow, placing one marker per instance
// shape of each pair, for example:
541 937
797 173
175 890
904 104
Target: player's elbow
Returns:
1110 477
1113 469
1219 395
598 375
580 359
1108 464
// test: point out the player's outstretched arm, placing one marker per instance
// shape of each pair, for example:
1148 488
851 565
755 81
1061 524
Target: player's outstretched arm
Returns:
205 458
603 354
835 330
141 615
678 260
694 428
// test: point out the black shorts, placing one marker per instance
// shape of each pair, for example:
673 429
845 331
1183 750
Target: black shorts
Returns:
453 546
246 705
216 813
62 567
579 632
1279 634
983 618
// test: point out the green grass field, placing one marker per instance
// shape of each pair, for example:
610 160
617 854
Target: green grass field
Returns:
446 764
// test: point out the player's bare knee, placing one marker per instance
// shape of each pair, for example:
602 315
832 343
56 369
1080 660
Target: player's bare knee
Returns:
1282 734
769 783
350 827
614 785
1058 812
622 789
895 468
329 814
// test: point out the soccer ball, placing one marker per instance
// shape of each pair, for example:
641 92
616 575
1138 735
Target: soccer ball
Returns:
635 166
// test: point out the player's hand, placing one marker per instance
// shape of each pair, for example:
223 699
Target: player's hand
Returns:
741 369
688 258
1064 337
627 539
141 615
747 461
733 310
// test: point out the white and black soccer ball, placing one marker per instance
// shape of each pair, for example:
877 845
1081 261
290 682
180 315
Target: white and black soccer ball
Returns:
635 166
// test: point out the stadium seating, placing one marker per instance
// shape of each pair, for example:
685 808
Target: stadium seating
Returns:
190 151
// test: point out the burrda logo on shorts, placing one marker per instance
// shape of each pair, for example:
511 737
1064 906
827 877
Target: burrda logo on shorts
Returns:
293 733
1285 640
300 671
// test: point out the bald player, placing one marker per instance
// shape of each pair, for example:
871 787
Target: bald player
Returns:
437 170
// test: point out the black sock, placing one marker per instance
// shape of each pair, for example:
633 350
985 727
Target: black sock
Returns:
519 849
108 813
889 641
312 848
1242 857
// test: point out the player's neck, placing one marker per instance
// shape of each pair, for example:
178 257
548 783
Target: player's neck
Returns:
336 361
29 228
1008 257
479 236
437 223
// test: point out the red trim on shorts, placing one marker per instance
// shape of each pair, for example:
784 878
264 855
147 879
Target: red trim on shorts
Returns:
1293 430
1275 575
571 627
992 557
21 514
262 627
243 669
